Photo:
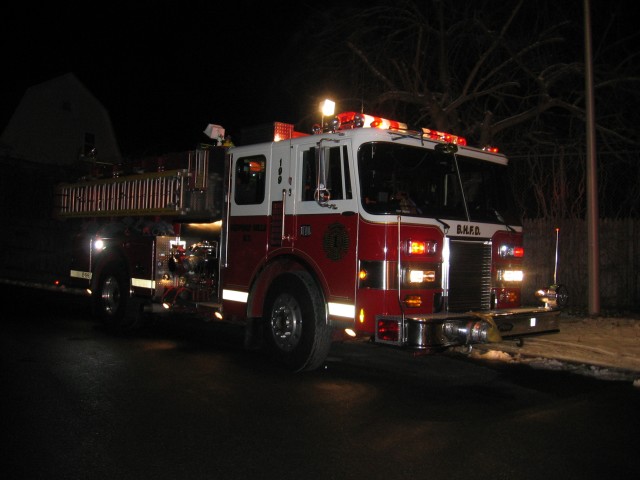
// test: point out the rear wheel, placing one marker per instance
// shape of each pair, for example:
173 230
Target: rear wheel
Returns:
112 302
296 328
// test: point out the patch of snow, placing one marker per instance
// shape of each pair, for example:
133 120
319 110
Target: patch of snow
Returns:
603 348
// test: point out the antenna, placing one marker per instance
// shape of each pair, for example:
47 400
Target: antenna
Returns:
555 268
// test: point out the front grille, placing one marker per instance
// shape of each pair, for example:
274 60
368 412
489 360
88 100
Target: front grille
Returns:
469 276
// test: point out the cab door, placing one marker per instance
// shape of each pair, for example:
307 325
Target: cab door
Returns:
326 221
245 235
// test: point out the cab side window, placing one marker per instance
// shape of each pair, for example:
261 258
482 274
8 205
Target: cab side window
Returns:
250 180
308 174
337 176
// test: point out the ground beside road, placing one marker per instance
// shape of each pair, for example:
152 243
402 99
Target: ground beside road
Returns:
606 347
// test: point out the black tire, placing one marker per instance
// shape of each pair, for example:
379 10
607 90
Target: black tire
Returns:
562 296
112 303
295 327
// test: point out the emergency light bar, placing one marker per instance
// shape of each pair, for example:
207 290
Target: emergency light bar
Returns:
349 120
285 131
443 136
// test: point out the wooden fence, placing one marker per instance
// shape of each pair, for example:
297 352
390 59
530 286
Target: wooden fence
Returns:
619 265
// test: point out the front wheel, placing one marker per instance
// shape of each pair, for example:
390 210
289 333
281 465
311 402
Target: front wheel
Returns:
296 324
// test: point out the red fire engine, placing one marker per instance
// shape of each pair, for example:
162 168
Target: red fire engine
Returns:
407 237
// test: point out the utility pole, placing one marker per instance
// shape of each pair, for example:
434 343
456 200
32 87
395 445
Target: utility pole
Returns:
593 249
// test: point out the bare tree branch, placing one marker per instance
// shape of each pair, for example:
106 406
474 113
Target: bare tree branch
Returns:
512 76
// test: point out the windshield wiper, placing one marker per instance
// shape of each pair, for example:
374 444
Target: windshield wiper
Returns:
501 219
445 225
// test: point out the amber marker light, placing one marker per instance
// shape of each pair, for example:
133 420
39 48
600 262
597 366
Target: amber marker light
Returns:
413 301
421 247
417 248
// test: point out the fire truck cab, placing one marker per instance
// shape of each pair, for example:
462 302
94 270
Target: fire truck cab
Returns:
407 237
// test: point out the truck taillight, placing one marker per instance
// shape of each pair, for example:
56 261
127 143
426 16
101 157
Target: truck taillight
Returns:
388 330
506 251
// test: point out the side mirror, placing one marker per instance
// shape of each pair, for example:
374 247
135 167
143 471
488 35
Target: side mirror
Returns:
322 195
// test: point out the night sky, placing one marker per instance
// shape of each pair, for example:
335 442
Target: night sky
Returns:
162 70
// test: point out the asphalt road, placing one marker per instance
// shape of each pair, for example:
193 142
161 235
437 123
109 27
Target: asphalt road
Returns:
185 401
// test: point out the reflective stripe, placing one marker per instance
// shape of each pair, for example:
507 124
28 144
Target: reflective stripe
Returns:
342 310
144 283
80 274
235 296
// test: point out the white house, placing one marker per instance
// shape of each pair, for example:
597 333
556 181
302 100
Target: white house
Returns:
60 122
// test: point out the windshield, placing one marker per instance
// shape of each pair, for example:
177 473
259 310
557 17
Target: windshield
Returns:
401 179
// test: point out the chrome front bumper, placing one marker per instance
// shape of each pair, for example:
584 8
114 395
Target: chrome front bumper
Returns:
441 331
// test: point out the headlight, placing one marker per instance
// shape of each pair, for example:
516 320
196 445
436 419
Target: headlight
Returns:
420 276
510 275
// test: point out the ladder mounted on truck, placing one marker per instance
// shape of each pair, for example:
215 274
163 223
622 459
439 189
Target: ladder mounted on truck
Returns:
190 191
